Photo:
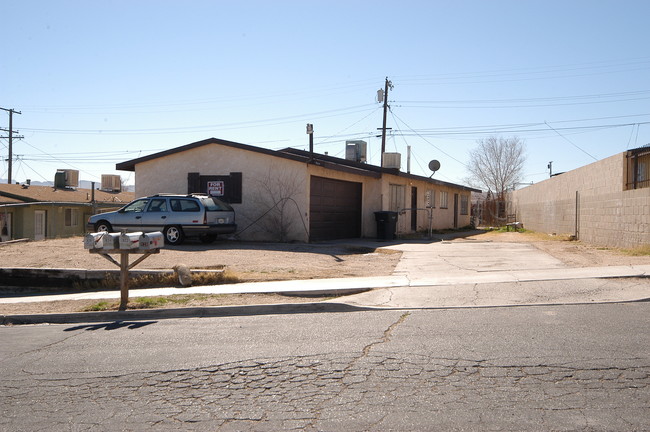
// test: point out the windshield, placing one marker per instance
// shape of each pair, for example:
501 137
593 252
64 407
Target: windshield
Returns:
135 207
215 204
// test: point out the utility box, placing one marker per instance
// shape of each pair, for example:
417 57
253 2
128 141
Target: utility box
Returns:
152 240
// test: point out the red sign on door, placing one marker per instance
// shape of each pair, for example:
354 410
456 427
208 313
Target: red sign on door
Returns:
216 188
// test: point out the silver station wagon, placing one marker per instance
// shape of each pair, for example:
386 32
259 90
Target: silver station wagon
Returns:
176 216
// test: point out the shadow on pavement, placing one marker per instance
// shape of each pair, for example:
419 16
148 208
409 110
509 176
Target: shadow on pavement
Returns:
131 325
128 318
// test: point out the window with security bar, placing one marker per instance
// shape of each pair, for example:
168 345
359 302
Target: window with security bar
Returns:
638 168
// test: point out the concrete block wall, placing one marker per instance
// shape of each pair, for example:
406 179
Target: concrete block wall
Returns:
590 202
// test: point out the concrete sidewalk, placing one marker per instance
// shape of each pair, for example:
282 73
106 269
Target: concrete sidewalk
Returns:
442 274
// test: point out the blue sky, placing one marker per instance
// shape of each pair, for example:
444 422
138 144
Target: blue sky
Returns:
99 83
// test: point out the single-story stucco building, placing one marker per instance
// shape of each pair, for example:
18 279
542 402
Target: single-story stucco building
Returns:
40 212
605 203
295 195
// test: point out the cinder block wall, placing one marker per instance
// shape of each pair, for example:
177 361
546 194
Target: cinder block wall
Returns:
589 202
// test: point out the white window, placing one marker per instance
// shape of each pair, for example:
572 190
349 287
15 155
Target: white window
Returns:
444 197
396 197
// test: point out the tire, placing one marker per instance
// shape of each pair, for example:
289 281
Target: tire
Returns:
208 238
103 226
173 235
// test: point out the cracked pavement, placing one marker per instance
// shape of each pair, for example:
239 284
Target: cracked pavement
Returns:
526 368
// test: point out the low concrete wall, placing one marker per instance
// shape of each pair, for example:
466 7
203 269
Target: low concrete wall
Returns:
24 280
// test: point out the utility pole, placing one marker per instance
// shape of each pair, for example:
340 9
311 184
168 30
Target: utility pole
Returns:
11 137
384 96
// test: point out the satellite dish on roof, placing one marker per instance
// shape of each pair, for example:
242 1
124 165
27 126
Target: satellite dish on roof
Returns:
434 166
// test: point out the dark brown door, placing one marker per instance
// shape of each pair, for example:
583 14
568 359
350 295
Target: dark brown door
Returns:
334 209
414 206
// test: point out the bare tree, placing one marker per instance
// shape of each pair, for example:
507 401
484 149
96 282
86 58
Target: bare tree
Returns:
276 202
497 163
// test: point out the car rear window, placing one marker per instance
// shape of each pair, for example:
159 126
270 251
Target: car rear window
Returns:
215 204
184 205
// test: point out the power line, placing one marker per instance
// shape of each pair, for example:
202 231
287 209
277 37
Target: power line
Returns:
60 160
431 144
271 97
527 74
530 102
225 126
530 128
570 142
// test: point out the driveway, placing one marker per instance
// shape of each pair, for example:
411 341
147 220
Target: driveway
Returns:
475 273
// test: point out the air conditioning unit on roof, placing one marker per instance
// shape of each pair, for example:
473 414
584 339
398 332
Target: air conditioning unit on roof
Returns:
392 160
356 150
66 178
111 183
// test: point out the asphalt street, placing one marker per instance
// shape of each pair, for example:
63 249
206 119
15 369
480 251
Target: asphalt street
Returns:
463 336
570 367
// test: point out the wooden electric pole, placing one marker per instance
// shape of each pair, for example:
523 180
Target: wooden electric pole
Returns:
387 85
11 138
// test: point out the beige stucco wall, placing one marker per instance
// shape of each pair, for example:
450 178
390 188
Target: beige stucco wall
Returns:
442 217
590 202
266 178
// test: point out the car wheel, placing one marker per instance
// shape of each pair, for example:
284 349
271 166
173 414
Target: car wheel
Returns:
103 226
208 238
173 235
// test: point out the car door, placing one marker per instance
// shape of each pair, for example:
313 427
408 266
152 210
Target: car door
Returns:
129 217
156 215
187 212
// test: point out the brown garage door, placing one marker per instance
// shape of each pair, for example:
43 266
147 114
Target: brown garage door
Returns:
335 209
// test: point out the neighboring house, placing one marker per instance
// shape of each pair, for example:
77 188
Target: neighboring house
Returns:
605 203
39 212
294 195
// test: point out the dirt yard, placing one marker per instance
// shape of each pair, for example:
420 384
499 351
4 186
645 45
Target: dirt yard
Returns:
571 253
249 262
270 261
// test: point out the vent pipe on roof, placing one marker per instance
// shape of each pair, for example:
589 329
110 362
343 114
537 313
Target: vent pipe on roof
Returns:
310 132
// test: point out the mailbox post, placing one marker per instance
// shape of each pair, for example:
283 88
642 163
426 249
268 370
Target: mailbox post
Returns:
124 244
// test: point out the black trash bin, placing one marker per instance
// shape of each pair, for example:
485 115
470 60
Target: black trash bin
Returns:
386 224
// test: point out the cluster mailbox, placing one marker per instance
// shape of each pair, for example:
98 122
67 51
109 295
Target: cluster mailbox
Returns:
136 241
